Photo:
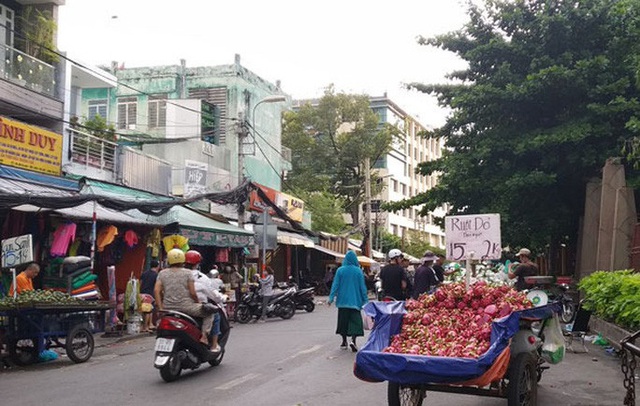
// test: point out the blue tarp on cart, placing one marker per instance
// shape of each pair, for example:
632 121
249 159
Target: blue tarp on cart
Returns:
374 365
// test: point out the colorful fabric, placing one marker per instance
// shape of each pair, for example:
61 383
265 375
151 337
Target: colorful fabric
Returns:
23 283
153 241
175 241
106 235
222 255
131 238
62 237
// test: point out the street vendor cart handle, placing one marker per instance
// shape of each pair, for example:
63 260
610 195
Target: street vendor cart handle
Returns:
628 343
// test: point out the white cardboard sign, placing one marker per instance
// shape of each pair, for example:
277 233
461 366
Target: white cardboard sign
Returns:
17 250
474 235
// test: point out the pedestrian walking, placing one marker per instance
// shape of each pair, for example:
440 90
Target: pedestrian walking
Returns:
350 294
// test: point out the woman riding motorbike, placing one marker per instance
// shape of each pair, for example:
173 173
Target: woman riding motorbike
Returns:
175 290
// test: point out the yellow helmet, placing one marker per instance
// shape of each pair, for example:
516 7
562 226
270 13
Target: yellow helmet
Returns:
175 256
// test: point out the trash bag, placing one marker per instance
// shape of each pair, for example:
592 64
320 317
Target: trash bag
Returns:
601 341
367 321
553 347
47 355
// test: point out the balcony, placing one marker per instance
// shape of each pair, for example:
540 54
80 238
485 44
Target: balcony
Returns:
92 152
27 71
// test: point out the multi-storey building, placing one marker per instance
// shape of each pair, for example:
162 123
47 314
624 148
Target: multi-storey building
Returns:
192 118
398 171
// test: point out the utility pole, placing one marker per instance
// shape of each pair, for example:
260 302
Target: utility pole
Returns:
367 198
242 135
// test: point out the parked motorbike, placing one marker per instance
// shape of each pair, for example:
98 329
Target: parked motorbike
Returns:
178 343
544 288
303 298
281 305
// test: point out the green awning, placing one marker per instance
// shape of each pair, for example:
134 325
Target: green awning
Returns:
202 230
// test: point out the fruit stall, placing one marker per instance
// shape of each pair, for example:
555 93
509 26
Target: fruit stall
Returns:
485 340
39 320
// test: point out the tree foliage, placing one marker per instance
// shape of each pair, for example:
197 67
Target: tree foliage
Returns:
329 144
549 93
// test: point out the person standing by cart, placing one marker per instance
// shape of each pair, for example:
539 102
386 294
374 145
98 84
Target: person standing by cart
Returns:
350 293
24 280
427 278
525 268
393 276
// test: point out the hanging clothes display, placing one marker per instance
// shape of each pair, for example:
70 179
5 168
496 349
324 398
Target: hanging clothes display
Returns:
222 254
106 235
131 238
153 241
132 299
62 237
175 241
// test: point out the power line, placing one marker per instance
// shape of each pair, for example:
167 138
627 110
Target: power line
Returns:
55 52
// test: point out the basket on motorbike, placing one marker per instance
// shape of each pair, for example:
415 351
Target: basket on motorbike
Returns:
414 374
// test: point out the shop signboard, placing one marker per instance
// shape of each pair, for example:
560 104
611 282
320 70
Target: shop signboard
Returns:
474 236
30 147
195 178
256 203
293 206
209 238
17 250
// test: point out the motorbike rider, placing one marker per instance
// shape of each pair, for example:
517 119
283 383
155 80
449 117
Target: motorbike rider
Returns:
393 276
216 281
175 290
205 292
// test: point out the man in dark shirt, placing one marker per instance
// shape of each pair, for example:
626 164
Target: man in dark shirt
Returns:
148 278
393 276
525 268
147 284
426 277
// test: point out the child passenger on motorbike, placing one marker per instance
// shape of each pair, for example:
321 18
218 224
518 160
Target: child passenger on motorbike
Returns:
175 290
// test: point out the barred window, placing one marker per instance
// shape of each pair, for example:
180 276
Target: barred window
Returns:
127 113
97 107
157 111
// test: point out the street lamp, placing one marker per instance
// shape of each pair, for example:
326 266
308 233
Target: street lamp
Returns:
276 98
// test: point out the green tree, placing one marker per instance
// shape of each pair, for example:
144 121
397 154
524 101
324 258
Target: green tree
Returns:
418 243
548 95
326 212
330 142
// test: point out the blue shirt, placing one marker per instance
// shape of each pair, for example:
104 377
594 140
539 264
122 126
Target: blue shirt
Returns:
348 284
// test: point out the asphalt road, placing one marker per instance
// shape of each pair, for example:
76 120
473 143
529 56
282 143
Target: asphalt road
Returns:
281 362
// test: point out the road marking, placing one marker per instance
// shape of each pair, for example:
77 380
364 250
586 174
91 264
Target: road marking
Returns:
237 381
297 354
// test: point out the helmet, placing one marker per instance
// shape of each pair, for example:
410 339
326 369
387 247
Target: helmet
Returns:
193 257
214 273
394 253
175 256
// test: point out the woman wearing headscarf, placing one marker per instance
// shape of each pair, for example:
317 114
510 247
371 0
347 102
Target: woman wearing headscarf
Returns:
350 294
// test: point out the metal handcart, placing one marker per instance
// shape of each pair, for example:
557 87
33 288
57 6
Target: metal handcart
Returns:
29 330
510 368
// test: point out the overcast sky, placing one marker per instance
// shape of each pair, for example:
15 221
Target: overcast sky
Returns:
360 46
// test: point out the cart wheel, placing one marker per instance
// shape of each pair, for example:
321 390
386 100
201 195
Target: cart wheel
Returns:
523 381
79 344
398 395
23 352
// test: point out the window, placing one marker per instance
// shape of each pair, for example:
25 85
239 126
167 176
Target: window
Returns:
394 229
157 111
395 185
97 108
404 189
127 113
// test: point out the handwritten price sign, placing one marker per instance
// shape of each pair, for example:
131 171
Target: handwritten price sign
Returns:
476 233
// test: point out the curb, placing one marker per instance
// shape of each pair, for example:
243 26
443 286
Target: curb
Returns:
102 341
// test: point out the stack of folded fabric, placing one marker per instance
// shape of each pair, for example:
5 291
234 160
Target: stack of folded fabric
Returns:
80 278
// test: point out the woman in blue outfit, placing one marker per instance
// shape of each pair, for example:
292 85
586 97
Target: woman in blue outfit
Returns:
350 293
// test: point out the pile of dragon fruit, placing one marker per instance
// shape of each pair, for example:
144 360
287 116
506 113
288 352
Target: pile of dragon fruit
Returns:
454 321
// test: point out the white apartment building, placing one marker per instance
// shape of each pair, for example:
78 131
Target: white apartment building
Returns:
400 179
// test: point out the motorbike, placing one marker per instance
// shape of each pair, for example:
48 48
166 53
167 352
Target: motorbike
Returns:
178 343
303 298
281 305
545 288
